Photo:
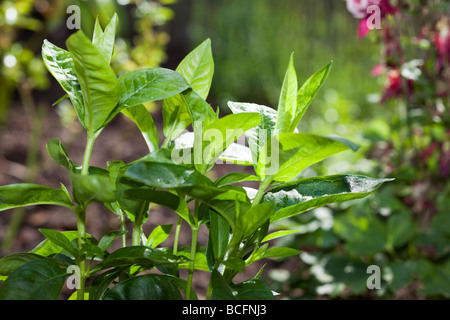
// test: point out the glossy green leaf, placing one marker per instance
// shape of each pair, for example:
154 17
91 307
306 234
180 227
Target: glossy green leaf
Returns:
278 234
224 200
164 198
144 121
59 154
98 81
280 252
219 230
258 136
145 287
139 255
200 258
101 283
165 175
47 248
235 177
92 188
305 194
149 84
237 153
107 240
308 91
60 240
291 153
40 279
234 264
29 194
249 221
104 40
287 104
158 235
13 261
220 134
197 68
60 64
135 209
199 109
252 289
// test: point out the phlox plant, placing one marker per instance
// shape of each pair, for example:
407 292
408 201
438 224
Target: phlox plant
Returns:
173 175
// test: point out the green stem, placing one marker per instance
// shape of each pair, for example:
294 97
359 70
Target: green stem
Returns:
234 251
81 218
193 252
123 228
262 188
87 153
177 236
137 228
81 261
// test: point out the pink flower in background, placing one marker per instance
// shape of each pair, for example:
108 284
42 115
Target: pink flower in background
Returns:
441 41
358 8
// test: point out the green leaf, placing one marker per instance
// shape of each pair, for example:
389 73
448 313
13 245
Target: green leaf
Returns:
258 136
140 255
235 264
47 248
249 221
164 198
197 68
200 258
199 109
149 84
104 40
287 104
165 175
305 194
98 81
144 121
92 188
291 153
225 200
107 240
237 154
60 64
40 279
234 177
13 261
158 235
145 287
59 154
280 252
219 230
60 240
278 234
28 194
308 91
222 133
252 289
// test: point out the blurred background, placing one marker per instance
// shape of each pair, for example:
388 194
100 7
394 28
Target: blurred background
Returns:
388 91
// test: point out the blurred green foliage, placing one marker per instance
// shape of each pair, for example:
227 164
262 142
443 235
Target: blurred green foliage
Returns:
399 116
